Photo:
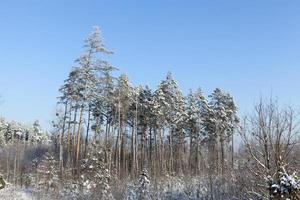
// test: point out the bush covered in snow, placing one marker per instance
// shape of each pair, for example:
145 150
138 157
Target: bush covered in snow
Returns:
284 186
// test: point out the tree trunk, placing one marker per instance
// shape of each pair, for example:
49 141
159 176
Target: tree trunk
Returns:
8 164
69 146
122 147
150 150
79 141
61 144
191 158
87 132
73 148
171 164
232 151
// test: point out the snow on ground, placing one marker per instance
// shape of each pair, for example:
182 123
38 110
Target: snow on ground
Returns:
12 193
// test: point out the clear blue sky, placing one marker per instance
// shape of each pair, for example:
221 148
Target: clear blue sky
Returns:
247 48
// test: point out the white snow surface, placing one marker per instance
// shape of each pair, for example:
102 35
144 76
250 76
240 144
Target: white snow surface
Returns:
12 193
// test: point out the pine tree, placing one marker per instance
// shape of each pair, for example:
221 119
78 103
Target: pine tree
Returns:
220 120
103 108
169 105
145 125
87 67
124 98
96 176
225 119
195 109
48 173
144 186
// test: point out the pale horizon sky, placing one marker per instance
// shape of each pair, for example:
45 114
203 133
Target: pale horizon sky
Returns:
247 48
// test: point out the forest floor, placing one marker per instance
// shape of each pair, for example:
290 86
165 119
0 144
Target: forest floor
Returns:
12 193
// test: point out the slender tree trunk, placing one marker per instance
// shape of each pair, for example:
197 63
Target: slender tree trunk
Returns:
211 187
222 166
122 146
61 144
156 152
222 157
87 132
136 152
117 152
171 150
232 151
15 162
180 151
135 162
162 151
118 142
133 153
8 164
151 149
198 158
143 157
69 145
19 161
73 148
191 158
107 148
211 166
79 140
134 143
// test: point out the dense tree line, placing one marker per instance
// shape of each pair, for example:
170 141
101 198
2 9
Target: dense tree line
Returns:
20 145
161 130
